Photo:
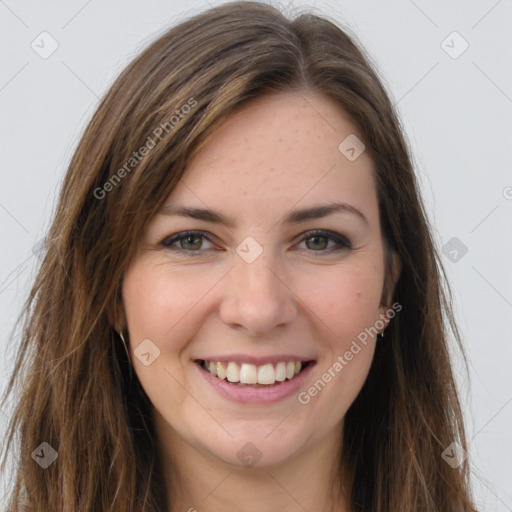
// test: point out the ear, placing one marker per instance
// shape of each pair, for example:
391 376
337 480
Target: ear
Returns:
392 275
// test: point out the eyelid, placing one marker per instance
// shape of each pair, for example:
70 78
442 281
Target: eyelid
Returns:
343 243
182 235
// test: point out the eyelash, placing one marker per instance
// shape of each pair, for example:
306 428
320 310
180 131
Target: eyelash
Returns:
343 243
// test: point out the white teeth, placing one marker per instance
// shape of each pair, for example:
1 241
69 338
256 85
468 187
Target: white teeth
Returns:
290 370
221 371
233 372
247 373
280 372
266 374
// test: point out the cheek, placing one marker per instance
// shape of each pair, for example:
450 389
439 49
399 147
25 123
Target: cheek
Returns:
156 299
346 303
159 306
346 300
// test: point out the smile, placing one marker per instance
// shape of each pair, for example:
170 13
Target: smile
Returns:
247 374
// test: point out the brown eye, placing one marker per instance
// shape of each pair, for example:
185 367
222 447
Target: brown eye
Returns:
191 241
318 241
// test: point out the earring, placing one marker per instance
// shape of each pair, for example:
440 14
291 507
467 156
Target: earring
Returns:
382 334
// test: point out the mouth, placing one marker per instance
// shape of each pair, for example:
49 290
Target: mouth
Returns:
268 375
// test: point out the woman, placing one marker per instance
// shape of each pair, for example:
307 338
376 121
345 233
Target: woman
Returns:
238 226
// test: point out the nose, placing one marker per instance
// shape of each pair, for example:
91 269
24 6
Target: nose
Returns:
258 298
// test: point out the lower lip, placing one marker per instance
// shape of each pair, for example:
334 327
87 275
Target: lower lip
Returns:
250 395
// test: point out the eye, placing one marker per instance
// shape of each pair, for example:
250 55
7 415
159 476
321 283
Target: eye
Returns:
189 241
318 241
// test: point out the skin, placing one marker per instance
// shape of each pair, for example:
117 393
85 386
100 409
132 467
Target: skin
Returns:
279 153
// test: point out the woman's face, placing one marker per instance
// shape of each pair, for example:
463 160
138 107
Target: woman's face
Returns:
261 289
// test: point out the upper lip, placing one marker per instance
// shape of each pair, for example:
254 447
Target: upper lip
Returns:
256 360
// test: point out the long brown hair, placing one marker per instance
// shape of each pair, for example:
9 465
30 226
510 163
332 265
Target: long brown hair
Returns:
75 389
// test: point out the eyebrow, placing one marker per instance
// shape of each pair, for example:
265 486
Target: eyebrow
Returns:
294 217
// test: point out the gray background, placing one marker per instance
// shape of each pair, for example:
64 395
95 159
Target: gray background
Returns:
457 113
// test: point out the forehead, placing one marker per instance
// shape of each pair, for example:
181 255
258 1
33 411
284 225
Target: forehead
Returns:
278 151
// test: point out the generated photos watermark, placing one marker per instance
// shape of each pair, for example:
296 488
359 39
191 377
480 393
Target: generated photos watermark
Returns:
151 142
304 397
